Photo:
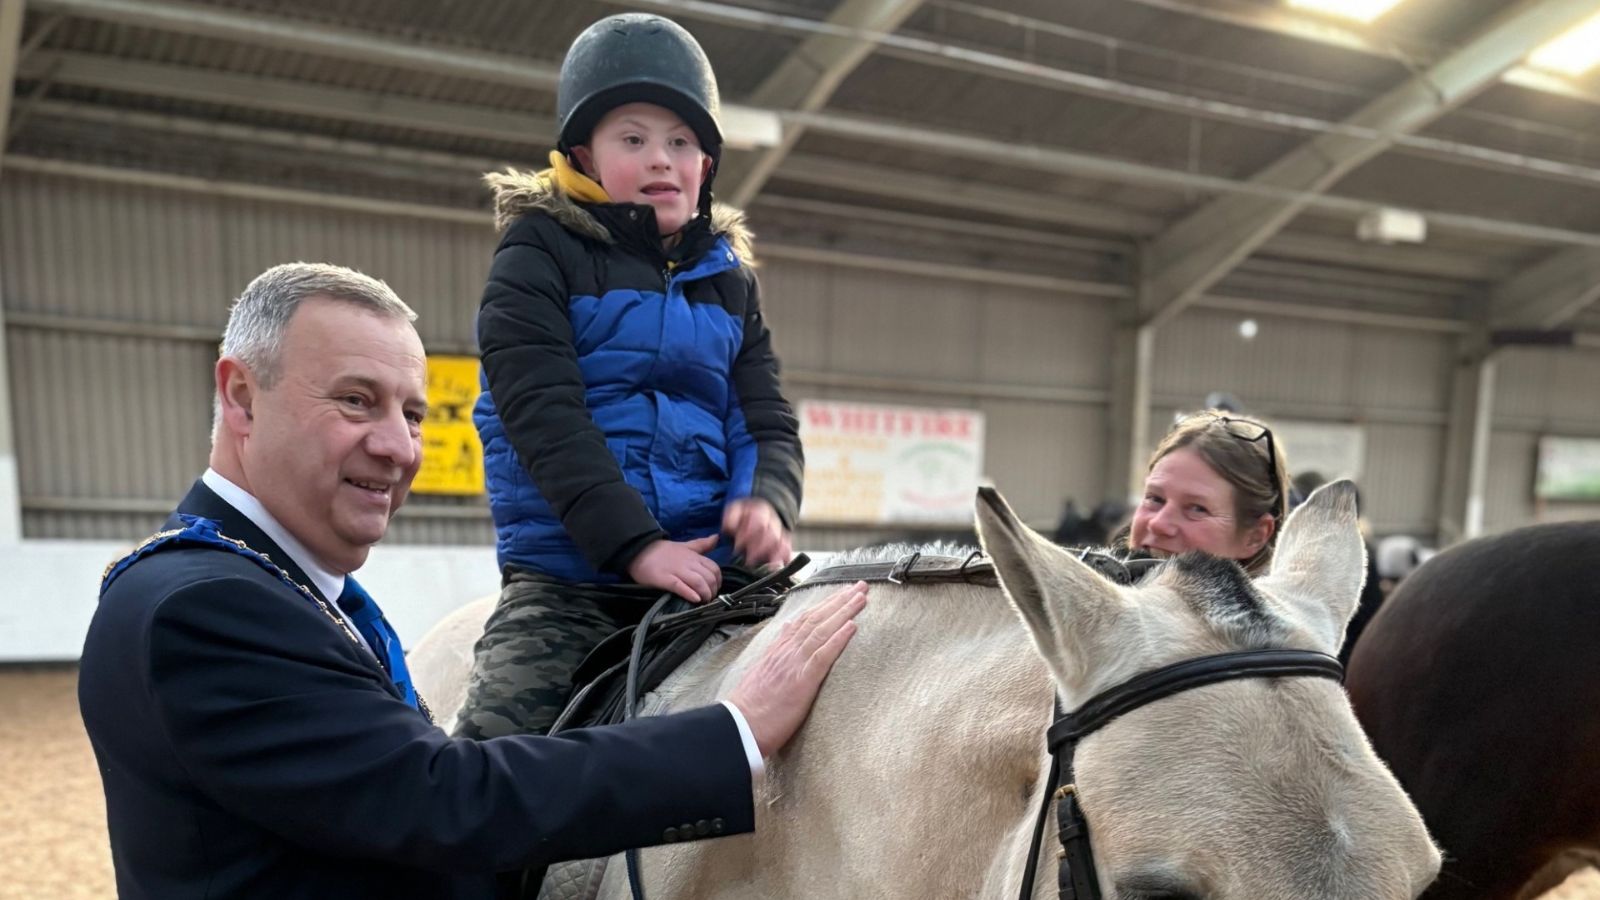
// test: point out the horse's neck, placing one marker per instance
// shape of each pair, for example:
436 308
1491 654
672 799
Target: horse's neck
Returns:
937 709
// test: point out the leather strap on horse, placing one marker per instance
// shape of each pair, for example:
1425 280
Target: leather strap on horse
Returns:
657 646
913 568
1076 877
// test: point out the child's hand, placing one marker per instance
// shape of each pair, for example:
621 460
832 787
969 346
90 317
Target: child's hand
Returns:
758 533
680 567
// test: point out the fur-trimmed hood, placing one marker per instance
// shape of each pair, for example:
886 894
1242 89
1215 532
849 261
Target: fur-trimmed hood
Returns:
557 190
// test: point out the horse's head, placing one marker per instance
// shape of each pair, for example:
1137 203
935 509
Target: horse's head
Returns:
1253 789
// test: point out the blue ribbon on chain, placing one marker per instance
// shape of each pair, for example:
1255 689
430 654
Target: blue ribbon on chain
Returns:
199 531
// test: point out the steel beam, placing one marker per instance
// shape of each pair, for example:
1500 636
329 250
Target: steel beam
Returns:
991 64
312 37
279 95
807 78
952 193
963 193
1463 477
1128 430
855 28
1549 293
10 483
776 250
1269 195
1277 20
1201 249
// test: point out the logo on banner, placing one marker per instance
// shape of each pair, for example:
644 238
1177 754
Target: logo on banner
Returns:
870 464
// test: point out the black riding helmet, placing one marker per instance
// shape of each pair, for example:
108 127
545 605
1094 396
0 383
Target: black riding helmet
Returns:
639 58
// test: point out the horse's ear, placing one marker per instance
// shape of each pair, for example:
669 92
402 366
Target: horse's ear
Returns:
1061 599
1319 565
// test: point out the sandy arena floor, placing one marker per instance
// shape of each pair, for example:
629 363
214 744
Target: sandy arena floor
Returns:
52 817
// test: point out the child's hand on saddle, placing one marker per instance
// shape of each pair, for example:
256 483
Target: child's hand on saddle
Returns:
758 533
681 567
775 694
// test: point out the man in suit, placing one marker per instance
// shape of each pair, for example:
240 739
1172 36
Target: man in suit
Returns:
256 731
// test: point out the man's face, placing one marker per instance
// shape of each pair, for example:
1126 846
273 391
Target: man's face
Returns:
334 444
643 153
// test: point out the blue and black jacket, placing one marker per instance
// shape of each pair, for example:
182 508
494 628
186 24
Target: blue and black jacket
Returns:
630 394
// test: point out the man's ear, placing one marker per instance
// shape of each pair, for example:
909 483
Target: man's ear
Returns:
236 390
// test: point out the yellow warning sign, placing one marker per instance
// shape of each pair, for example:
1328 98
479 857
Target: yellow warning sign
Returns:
452 457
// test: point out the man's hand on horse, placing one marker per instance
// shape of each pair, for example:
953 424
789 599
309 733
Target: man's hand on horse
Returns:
680 567
776 694
758 533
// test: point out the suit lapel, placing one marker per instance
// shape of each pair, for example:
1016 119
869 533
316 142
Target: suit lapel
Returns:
203 501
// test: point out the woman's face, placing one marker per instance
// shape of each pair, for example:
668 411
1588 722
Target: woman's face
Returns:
1188 505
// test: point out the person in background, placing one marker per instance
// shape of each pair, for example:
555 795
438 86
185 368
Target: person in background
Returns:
1216 483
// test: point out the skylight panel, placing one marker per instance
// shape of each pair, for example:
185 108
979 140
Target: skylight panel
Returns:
1573 53
1363 11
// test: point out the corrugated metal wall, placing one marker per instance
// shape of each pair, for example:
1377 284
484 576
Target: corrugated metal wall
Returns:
992 344
112 427
112 419
1394 383
1537 392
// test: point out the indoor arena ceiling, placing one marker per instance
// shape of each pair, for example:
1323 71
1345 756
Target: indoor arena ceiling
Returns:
1230 153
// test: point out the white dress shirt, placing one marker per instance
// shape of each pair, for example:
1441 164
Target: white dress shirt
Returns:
331 585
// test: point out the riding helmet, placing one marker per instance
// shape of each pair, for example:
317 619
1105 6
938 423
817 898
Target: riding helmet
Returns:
637 58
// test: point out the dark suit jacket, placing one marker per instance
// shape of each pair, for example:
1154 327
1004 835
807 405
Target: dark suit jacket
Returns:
250 749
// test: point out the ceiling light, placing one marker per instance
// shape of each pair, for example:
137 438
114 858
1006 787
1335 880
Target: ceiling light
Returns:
1362 11
1573 53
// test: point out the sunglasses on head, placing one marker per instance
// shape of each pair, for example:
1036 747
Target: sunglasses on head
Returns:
1251 432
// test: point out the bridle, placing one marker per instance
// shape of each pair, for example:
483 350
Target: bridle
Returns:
1075 877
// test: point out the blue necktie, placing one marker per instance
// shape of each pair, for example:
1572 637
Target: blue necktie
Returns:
380 635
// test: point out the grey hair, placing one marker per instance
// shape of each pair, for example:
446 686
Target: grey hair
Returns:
260 316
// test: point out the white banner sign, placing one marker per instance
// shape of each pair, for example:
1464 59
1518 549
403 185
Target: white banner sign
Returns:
1334 449
869 464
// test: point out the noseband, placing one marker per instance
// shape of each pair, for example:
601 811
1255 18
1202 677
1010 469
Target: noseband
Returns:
1075 877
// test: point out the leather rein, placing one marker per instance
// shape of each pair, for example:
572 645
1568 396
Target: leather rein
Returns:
1076 878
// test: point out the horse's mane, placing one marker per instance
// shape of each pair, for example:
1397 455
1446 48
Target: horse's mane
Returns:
891 552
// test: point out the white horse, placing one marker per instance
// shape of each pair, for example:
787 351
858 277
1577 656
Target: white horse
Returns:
923 765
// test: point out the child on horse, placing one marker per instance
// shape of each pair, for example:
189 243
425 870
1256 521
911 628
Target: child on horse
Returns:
632 410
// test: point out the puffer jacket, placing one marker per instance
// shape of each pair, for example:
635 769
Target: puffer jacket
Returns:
629 394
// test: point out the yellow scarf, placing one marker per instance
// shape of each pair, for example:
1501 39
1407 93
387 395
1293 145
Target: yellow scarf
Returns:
563 177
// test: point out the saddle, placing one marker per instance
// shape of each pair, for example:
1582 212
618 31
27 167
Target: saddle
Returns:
670 632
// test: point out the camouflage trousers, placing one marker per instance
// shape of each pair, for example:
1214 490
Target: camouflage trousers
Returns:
539 632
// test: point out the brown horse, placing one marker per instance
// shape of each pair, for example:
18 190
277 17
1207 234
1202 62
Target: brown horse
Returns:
1479 684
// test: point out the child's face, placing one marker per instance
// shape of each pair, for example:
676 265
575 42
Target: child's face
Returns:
643 153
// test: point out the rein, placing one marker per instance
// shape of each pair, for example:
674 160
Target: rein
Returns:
757 600
1075 877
